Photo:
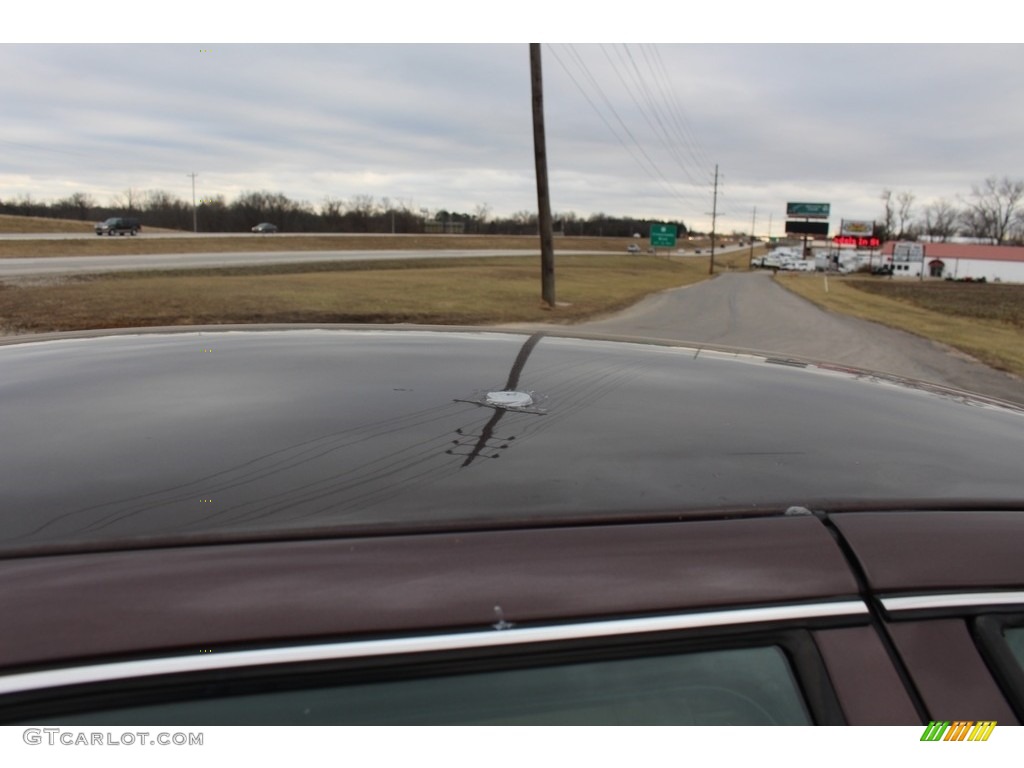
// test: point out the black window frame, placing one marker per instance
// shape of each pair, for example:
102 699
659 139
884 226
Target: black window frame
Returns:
1006 668
796 643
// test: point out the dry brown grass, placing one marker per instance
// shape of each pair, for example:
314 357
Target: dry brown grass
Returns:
1001 302
444 292
38 224
966 324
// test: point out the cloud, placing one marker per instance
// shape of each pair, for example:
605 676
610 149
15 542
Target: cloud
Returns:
631 129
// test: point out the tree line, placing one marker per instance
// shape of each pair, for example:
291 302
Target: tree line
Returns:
993 212
358 214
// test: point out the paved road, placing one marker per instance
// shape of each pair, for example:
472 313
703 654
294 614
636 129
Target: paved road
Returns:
149 234
750 311
68 265
64 265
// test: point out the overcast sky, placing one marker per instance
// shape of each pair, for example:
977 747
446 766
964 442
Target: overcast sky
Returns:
632 129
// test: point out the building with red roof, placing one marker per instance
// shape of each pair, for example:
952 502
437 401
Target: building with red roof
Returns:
957 261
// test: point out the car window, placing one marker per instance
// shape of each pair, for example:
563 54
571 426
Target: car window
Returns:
1000 640
747 686
1015 640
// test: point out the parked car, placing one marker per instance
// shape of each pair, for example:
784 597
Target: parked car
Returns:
265 228
119 225
337 525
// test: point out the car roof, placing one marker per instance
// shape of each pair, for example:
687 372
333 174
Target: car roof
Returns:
144 439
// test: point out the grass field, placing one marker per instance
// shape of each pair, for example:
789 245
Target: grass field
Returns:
446 292
982 319
1001 302
39 224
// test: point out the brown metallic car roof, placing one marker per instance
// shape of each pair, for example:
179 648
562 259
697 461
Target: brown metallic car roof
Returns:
158 439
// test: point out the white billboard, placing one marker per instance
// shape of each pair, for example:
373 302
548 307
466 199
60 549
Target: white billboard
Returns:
857 228
908 252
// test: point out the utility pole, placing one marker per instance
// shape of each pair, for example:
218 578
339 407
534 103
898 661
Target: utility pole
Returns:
714 217
547 246
753 223
195 225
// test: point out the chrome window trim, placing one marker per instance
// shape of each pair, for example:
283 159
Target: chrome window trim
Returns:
951 600
97 673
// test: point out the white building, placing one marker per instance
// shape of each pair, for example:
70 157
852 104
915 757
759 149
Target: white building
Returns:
959 261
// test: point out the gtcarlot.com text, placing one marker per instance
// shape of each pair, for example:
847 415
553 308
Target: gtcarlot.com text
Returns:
68 738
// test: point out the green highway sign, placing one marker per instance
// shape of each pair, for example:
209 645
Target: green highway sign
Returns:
663 235
808 210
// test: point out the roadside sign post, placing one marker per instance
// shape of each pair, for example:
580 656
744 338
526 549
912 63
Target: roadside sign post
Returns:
807 211
663 236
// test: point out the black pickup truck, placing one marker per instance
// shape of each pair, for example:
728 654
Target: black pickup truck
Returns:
118 224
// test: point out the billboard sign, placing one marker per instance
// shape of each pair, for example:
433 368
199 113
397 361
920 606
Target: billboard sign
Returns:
857 242
903 252
663 235
807 228
808 210
857 228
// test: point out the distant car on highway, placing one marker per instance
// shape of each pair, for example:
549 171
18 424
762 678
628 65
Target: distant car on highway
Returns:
633 248
265 228
119 225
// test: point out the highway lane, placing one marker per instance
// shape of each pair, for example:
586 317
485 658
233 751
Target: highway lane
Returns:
751 311
69 265
168 235
52 266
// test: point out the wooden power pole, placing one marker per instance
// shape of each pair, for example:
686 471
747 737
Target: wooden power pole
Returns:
714 218
753 224
540 155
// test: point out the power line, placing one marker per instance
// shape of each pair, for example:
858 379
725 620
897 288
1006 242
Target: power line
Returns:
646 80
651 113
644 160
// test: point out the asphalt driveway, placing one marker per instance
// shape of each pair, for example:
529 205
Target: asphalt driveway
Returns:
750 311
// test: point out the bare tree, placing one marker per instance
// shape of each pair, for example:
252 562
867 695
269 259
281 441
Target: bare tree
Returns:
888 215
940 220
975 224
126 200
78 204
331 209
361 209
994 208
905 200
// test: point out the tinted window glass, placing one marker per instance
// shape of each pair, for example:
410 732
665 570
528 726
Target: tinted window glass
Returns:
1015 640
752 686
